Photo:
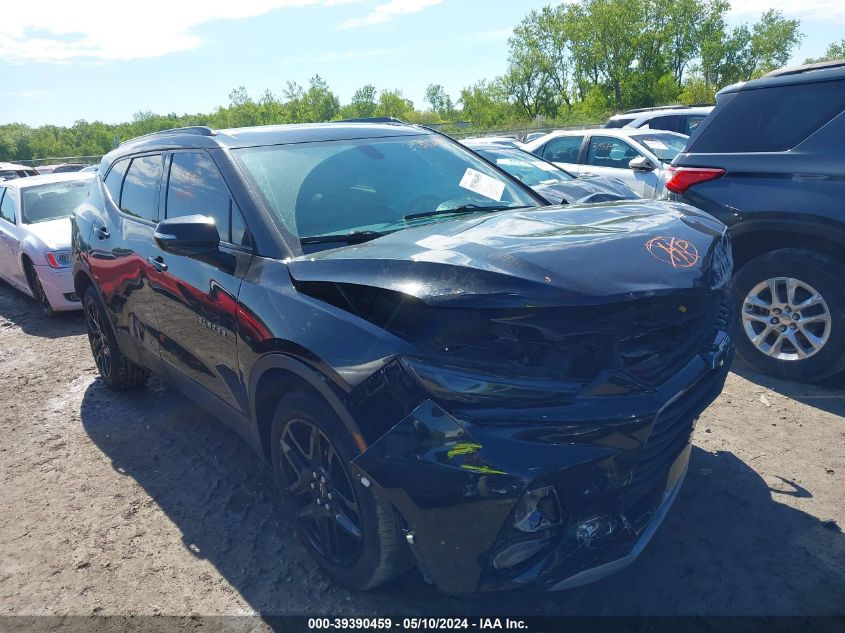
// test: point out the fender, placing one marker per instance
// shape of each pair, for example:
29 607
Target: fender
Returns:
316 380
779 221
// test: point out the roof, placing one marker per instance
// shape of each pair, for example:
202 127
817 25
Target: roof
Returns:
203 137
14 166
640 113
607 131
47 179
807 73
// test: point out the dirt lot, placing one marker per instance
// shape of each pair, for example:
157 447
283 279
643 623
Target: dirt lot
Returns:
141 504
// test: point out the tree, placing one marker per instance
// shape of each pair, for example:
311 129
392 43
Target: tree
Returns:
773 39
486 104
835 51
363 104
392 103
529 77
318 102
440 101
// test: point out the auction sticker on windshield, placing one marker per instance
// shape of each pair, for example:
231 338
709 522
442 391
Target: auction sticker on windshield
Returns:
483 184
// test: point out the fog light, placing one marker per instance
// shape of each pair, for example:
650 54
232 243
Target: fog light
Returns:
537 509
517 553
596 532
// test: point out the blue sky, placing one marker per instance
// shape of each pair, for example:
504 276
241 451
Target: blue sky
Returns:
62 61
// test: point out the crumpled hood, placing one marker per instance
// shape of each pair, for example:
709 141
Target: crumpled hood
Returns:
582 254
54 234
586 190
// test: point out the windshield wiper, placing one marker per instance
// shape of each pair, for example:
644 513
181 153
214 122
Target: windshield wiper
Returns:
353 237
467 208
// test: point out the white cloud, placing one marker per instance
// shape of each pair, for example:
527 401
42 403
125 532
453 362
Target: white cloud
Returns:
62 31
822 10
387 11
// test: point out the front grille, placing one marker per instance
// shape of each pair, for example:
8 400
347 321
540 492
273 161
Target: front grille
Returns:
659 345
669 436
650 338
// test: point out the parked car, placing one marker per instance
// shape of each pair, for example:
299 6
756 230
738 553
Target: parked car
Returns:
10 171
506 141
89 168
768 163
636 157
555 185
534 135
682 119
35 237
65 168
438 371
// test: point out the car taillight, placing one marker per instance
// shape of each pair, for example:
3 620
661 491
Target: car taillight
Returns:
682 178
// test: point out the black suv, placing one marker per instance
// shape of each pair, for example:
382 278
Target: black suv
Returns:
438 371
768 163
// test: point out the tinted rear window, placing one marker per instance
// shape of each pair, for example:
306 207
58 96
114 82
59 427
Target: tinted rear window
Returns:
772 119
618 122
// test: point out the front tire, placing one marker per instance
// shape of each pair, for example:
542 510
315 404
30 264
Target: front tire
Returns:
38 292
350 531
118 372
790 307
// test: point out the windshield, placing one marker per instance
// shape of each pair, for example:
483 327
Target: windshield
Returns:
530 170
54 201
665 146
374 186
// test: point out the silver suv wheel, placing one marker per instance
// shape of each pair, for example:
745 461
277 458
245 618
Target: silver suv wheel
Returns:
786 318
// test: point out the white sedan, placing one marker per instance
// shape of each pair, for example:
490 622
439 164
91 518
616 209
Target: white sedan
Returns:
35 236
637 157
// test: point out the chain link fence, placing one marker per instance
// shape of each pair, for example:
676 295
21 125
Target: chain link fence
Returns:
59 160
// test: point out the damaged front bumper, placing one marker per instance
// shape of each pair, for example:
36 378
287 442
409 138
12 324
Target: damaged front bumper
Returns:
550 497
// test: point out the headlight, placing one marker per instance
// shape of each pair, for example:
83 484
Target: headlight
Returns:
59 259
476 388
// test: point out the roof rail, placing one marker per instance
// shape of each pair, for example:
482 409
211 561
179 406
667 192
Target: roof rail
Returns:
797 70
653 108
374 119
196 130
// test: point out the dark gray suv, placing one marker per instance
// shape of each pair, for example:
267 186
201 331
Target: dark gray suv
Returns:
768 163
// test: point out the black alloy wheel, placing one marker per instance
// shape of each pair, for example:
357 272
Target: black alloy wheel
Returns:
117 371
97 337
322 490
344 519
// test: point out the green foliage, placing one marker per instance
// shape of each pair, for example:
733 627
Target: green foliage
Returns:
569 63
486 104
392 103
696 91
363 104
440 102
835 51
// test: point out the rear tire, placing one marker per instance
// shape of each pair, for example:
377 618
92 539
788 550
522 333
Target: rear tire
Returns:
814 323
379 554
118 372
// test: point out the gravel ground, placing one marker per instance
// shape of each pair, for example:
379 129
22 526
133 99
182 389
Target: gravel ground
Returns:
141 504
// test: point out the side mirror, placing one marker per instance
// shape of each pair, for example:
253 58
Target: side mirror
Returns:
641 163
187 235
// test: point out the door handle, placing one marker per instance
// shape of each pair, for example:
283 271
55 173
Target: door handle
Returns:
102 232
157 263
